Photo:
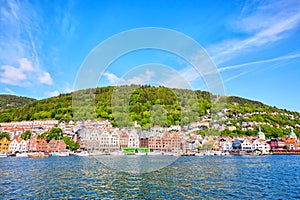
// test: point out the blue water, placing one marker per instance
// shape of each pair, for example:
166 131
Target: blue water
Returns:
231 177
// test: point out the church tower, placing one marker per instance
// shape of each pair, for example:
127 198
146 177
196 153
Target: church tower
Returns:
261 134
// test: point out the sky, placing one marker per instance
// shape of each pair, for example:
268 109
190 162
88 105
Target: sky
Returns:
254 45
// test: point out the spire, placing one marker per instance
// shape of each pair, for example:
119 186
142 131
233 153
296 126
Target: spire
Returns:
292 134
260 134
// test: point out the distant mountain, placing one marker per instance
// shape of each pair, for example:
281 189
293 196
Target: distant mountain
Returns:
147 105
12 101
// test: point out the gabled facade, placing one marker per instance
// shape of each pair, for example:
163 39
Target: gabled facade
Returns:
4 145
227 145
14 145
133 139
247 145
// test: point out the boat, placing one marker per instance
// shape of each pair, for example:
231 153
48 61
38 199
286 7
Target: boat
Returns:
117 153
82 153
208 153
23 155
156 153
188 154
199 154
218 153
140 153
3 154
62 153
37 155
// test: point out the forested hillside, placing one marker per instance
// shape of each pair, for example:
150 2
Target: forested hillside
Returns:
148 105
12 101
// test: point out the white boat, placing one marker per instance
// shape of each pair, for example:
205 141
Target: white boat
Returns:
3 154
117 153
63 153
97 153
218 153
209 153
83 153
155 153
23 155
140 153
199 154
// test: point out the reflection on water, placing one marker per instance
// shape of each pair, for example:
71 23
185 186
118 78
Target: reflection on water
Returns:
136 163
275 177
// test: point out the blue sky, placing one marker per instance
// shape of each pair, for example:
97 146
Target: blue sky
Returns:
254 44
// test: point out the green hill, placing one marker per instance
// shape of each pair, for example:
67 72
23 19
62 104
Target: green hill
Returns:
148 105
12 101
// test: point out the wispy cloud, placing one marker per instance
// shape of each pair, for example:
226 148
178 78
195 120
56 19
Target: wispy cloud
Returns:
268 23
260 24
236 76
20 45
10 91
288 57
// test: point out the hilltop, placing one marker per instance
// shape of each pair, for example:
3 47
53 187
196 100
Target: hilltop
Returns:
148 106
12 101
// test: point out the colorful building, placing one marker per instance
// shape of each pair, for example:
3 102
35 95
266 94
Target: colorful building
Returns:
4 145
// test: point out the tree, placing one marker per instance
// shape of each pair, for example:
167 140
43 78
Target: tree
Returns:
70 143
26 135
4 134
54 133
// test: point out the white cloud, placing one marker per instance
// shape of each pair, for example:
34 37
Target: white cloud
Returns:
112 78
24 74
16 75
45 78
68 90
52 93
138 79
10 91
12 75
26 65
267 24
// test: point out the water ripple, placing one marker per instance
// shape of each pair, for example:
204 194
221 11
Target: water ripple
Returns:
232 177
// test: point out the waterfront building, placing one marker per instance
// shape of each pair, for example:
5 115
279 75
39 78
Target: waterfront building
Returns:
133 138
23 146
247 145
4 145
144 140
14 144
18 145
277 145
123 136
155 141
56 145
227 145
166 142
42 145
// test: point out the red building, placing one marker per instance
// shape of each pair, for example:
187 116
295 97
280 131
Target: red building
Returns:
277 145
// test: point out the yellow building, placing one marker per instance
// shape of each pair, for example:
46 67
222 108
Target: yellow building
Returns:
4 145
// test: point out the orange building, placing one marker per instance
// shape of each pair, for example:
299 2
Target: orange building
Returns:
4 145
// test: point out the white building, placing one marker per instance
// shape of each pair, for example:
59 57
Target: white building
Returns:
227 145
18 145
133 139
246 145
